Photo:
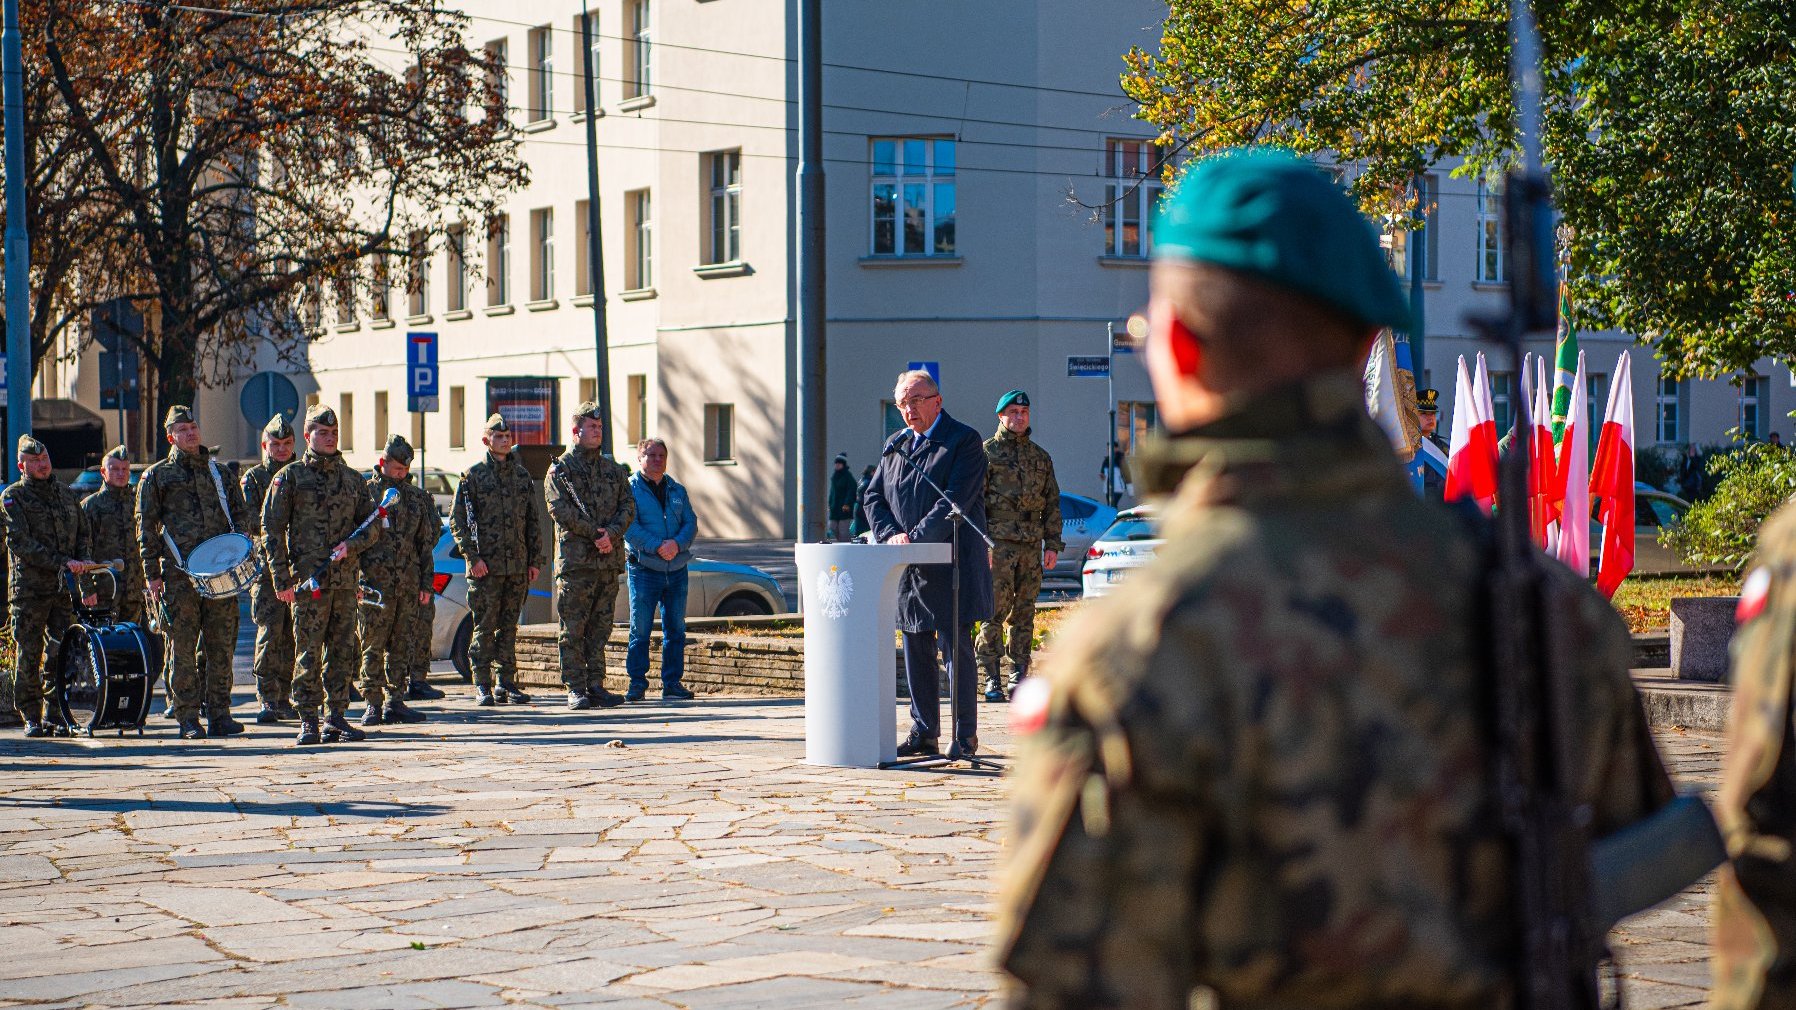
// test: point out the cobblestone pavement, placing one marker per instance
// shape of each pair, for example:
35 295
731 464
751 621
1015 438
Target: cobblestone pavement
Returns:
664 856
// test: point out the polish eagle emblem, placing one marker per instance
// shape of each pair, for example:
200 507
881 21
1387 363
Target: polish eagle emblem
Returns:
834 589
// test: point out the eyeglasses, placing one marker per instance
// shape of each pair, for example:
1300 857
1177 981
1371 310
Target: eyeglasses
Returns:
913 402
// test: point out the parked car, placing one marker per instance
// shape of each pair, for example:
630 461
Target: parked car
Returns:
1082 520
440 483
1654 510
90 480
1128 544
716 589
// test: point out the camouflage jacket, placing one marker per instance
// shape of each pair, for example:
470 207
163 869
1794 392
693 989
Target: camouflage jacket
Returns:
177 494
505 528
313 505
112 532
1754 962
405 554
256 482
1022 498
45 529
1261 766
588 494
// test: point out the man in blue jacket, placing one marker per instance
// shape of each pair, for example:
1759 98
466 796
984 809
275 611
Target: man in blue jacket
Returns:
904 509
660 547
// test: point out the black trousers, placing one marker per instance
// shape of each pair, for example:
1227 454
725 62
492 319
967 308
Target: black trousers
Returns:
921 674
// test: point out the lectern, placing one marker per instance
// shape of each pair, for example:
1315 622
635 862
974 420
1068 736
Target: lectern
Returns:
850 614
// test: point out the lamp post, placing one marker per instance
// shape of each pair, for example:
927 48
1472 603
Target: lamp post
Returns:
18 241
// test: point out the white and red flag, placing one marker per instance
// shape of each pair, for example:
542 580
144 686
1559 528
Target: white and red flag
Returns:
1573 488
1543 467
1472 452
1612 481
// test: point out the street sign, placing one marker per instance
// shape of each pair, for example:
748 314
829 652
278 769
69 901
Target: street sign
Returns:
421 372
1087 366
118 379
934 368
263 394
1122 341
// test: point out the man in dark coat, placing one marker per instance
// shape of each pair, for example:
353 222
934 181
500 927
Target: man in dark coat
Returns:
905 509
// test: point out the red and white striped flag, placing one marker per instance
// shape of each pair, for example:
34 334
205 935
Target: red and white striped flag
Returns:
1612 481
1472 453
1574 479
1543 468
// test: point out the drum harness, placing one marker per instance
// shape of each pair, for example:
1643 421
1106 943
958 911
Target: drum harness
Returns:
224 505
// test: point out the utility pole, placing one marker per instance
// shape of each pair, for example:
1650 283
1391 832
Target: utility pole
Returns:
1418 327
813 452
18 242
595 247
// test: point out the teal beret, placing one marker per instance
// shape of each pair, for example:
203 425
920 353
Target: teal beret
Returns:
1270 214
1015 396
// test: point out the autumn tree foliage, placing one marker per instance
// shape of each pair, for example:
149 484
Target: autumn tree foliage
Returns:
1670 124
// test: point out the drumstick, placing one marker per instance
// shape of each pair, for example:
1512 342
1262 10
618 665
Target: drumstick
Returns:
315 583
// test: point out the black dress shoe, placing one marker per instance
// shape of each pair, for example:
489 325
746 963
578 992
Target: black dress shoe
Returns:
398 712
35 729
515 696
422 691
337 727
636 694
578 701
190 730
483 696
966 746
607 699
223 725
917 745
675 692
269 716
308 731
371 716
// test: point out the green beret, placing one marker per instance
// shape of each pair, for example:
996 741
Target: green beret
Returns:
119 453
178 414
319 414
29 446
398 450
1267 213
1428 401
588 408
497 422
277 427
1015 396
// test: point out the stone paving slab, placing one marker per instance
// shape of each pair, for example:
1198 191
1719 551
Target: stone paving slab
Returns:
516 857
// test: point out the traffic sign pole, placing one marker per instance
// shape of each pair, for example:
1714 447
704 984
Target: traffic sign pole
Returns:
18 240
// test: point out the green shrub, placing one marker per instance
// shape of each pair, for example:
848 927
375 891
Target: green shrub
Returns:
1752 482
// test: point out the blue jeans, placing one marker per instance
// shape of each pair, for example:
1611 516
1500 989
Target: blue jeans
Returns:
650 589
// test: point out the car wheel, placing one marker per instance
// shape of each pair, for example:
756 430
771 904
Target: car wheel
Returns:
743 605
458 650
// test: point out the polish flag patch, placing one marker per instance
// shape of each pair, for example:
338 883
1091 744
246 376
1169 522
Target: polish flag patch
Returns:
1753 594
1029 706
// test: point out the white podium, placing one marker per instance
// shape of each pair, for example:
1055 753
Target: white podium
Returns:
850 611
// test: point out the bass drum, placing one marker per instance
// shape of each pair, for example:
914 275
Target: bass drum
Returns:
106 676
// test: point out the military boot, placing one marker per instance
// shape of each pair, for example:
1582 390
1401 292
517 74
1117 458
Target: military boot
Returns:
371 716
511 694
221 724
602 698
190 730
397 712
337 727
420 690
483 696
269 716
35 729
994 687
308 731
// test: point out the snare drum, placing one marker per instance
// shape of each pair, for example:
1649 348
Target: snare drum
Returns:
224 566
106 676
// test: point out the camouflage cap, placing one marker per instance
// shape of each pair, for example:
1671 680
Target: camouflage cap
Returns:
29 446
180 413
587 408
398 450
278 427
119 453
320 415
497 423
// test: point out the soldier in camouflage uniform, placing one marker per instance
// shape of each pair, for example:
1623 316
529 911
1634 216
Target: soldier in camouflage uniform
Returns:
1754 964
274 619
46 540
495 523
112 529
399 567
315 521
589 498
1263 767
1022 512
188 499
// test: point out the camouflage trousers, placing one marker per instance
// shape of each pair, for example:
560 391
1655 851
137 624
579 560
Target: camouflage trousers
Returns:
587 601
197 681
387 634
496 601
38 621
274 643
324 634
1016 582
418 641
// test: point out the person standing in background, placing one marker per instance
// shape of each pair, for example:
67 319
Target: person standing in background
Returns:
842 499
660 548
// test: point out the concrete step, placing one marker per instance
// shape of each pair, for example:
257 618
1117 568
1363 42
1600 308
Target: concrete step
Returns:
1689 704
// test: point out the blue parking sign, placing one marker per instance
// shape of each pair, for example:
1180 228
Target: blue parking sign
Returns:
421 372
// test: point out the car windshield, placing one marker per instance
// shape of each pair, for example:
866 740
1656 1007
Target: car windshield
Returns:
1132 529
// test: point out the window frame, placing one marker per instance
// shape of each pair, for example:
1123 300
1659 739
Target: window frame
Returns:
1491 266
498 253
540 41
720 433
455 244
639 264
932 181
589 21
1674 399
1127 188
723 208
641 41
542 254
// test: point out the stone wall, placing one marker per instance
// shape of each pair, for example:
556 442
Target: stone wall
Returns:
732 664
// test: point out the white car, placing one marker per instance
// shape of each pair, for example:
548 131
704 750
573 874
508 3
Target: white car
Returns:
1128 544
1082 520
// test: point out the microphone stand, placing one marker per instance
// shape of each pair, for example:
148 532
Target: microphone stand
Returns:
956 519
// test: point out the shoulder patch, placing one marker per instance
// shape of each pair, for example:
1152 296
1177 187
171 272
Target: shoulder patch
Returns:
1753 594
1029 705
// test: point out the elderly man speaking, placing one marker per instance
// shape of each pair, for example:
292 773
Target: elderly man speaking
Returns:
905 509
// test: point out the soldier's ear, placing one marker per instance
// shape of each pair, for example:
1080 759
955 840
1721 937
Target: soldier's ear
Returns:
1187 353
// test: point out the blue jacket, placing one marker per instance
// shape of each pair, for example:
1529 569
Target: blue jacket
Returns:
898 501
653 524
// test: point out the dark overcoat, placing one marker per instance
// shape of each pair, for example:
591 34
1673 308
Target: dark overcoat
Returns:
899 501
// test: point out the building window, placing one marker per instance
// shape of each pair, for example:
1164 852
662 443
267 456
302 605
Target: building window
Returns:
589 22
641 80
542 254
542 73
345 422
720 432
312 307
913 196
1135 420
457 243
1755 402
417 278
498 53
1668 413
1430 237
1597 385
583 248
1491 269
639 257
589 390
346 294
498 260
380 300
458 416
725 209
380 418
1133 167
1500 385
637 424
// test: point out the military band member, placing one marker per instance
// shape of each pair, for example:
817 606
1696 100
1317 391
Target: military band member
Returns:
399 567
273 619
112 530
1022 506
46 540
185 499
589 498
314 524
495 523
